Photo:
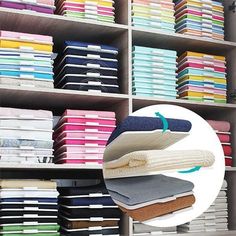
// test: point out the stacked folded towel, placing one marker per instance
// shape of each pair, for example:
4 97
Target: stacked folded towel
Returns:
88 210
81 136
154 72
26 136
42 6
87 67
28 207
26 60
140 229
214 219
202 77
99 10
167 196
200 18
222 129
154 14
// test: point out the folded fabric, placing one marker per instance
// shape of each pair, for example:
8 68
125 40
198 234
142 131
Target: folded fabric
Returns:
160 209
151 161
143 228
221 126
224 138
85 224
136 123
86 201
227 150
125 189
93 190
24 113
229 161
36 184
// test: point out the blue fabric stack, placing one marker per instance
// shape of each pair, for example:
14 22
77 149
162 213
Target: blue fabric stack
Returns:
154 72
87 67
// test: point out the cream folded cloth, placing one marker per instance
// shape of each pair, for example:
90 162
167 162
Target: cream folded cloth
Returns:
143 162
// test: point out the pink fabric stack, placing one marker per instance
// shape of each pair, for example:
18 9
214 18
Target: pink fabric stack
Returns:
80 136
222 129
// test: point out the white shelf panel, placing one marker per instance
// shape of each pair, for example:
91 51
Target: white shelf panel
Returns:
230 169
180 42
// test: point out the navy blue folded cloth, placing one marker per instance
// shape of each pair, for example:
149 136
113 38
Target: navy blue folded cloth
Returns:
22 213
108 231
86 201
22 206
139 123
90 212
16 220
85 190
41 200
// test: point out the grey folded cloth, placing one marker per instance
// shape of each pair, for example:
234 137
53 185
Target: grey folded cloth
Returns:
6 142
137 190
142 228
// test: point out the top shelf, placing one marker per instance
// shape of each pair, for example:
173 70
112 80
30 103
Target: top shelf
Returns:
64 28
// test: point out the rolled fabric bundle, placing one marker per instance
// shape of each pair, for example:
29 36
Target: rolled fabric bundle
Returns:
227 150
137 123
146 162
221 126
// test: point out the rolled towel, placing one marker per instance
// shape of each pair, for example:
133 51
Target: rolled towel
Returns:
146 162
138 123
222 126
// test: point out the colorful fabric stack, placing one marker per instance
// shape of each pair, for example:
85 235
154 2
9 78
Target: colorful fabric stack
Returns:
88 210
26 60
87 67
99 10
28 207
214 219
81 136
26 136
200 18
140 229
42 6
223 131
154 72
154 14
202 77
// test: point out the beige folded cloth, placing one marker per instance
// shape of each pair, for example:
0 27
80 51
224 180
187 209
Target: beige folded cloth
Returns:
6 184
142 162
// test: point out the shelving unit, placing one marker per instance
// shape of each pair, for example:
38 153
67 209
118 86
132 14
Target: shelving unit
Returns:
122 35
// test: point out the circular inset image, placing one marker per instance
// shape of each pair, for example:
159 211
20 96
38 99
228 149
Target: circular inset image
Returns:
164 165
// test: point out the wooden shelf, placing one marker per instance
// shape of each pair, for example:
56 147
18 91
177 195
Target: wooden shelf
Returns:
54 171
139 102
180 42
57 98
60 27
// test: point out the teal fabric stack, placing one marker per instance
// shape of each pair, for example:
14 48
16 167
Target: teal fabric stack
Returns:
155 14
154 72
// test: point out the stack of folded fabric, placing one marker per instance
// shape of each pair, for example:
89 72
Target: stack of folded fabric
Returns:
214 219
26 60
99 10
81 136
140 229
135 159
87 67
200 18
42 6
154 72
202 77
26 136
154 14
222 129
88 210
28 207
